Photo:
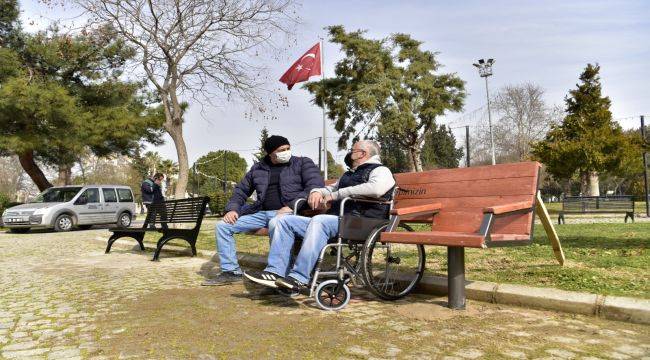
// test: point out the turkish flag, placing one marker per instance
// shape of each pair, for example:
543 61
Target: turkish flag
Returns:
308 65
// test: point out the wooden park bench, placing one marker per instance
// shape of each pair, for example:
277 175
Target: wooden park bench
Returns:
182 211
479 207
616 204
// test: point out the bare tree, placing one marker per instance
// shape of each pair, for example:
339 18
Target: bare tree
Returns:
12 176
204 49
522 117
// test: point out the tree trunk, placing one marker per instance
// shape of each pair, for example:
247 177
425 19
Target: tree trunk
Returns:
415 159
32 169
65 175
584 184
175 130
594 184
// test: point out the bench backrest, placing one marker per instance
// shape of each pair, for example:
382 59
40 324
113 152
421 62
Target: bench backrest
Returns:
190 210
615 203
464 192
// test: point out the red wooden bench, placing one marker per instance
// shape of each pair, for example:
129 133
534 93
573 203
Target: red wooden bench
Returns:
479 207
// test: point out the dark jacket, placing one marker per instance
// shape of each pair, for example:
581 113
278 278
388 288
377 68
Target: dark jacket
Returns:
296 181
363 209
151 192
146 188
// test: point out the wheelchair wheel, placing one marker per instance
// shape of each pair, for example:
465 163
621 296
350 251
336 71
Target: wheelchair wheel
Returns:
391 271
331 296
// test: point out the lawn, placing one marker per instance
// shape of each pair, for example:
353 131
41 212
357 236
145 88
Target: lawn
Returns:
610 259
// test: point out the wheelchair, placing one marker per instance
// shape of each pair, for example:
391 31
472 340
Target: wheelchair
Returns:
389 271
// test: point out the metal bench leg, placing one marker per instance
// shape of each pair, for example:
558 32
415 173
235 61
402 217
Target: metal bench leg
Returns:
111 240
163 240
140 240
456 277
193 246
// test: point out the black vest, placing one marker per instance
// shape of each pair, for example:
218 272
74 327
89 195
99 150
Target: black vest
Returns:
358 208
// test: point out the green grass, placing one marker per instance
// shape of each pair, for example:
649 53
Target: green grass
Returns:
610 259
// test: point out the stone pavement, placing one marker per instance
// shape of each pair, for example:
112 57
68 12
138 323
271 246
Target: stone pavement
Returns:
61 297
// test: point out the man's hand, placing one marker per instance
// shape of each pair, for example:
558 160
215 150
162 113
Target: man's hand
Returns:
315 200
284 210
231 217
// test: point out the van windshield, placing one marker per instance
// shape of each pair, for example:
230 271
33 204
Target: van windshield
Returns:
56 194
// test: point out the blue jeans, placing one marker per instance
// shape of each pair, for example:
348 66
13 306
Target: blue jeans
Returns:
315 232
226 241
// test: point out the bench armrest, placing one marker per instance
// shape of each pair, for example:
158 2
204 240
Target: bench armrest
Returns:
506 208
417 209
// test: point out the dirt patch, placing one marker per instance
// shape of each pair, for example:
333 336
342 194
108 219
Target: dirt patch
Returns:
434 311
191 323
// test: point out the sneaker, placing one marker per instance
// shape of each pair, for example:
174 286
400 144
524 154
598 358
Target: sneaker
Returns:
224 278
262 277
292 284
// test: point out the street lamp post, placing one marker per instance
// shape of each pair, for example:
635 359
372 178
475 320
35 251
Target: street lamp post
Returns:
485 70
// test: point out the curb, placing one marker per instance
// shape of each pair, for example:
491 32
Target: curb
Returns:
605 306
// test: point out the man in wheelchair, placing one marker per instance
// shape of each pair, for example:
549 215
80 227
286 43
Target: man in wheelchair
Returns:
366 178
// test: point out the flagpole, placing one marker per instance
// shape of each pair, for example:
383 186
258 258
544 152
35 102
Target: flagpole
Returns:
322 71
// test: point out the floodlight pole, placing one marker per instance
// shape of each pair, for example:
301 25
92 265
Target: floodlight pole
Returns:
467 145
487 93
485 70
645 169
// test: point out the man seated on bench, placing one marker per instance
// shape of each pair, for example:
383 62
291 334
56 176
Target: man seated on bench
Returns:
367 177
279 180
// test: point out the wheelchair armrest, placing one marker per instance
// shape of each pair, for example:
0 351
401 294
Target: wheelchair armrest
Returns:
361 199
297 204
369 199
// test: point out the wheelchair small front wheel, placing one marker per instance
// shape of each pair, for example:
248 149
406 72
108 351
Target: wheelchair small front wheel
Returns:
332 295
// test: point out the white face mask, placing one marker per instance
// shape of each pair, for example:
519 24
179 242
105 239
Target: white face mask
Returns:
283 156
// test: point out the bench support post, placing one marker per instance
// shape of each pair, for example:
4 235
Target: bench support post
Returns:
456 277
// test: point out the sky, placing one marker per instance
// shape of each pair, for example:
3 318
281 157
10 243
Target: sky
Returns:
547 43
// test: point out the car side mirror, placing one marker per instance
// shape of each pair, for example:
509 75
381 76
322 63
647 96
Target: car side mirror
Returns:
82 200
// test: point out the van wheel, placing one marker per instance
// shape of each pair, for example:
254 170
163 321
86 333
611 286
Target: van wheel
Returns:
63 223
19 230
124 220
85 227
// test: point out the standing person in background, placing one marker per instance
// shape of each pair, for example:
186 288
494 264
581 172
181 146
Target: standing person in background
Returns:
152 194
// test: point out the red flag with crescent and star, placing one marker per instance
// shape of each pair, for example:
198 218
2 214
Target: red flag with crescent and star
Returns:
307 66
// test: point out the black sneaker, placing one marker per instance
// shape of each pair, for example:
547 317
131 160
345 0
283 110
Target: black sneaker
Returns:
262 277
292 284
224 278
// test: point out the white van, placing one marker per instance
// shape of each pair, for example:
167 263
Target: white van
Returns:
64 207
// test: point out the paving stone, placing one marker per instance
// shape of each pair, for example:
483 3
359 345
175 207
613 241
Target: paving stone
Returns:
64 354
20 345
63 298
22 354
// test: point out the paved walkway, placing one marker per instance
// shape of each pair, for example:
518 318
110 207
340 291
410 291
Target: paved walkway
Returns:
63 298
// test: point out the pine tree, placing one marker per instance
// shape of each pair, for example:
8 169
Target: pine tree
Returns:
390 85
588 141
334 170
439 149
259 156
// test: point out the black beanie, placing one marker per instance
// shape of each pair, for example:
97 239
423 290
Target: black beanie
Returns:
274 142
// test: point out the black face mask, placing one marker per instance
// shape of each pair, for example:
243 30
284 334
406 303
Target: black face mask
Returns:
348 160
